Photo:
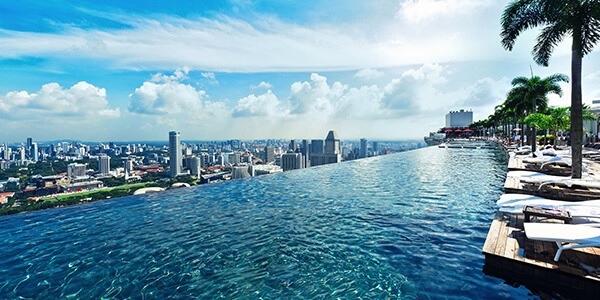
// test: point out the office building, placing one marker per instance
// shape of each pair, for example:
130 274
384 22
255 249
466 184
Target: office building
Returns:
293 146
175 163
75 170
34 151
104 165
306 153
363 148
459 119
291 161
195 164
269 154
330 154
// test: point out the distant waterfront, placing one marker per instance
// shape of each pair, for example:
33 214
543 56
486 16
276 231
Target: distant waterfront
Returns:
55 174
403 226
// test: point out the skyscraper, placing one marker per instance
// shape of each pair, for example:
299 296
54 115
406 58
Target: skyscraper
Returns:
104 165
269 154
363 148
332 152
332 143
34 151
306 153
174 153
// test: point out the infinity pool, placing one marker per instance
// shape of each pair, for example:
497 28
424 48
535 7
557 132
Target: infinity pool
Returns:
404 226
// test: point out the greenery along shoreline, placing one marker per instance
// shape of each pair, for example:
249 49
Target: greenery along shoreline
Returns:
60 200
114 187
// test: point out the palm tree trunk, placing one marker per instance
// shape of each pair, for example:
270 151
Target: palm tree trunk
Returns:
576 114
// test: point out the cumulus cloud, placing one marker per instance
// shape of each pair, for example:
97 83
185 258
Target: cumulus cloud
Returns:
267 105
368 74
262 85
416 88
52 100
174 100
315 96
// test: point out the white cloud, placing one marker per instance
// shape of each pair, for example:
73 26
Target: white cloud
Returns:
262 85
316 96
420 10
368 74
75 103
269 44
174 103
267 105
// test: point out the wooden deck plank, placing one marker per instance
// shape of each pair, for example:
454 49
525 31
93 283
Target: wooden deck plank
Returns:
492 237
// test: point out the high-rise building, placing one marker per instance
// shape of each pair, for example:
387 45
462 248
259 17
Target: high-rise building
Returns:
332 143
293 146
459 118
332 153
363 148
317 147
269 154
104 165
175 163
28 147
306 153
376 148
195 165
291 161
34 151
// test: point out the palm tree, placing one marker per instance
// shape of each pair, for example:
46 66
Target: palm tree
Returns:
579 19
531 94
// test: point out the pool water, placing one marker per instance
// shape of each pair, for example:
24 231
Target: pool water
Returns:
409 225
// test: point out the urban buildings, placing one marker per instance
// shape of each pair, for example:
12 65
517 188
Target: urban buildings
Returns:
175 163
331 153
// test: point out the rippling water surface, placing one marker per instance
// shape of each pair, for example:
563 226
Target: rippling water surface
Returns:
403 226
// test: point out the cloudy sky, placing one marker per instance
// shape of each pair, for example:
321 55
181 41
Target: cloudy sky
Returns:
118 70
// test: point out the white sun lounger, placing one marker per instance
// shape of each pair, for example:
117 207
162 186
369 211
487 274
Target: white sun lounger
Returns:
535 177
566 236
579 209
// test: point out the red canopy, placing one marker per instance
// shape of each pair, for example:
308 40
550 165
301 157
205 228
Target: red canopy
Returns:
448 130
468 130
458 130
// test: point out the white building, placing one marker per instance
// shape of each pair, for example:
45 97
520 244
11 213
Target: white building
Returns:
104 165
291 161
175 163
461 118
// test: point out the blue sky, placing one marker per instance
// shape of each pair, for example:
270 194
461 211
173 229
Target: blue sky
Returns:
133 70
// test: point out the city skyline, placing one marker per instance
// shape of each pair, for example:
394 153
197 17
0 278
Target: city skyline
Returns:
258 69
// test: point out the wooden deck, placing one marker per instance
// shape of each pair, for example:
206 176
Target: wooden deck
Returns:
511 256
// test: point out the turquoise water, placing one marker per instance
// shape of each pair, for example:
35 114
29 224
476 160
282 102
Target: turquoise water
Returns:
404 226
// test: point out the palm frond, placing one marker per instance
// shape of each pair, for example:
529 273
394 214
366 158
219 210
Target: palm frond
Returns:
550 36
519 16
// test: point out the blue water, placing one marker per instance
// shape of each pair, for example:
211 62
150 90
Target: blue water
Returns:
404 226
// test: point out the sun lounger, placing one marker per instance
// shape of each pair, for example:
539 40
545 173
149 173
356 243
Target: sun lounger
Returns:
566 236
535 177
579 209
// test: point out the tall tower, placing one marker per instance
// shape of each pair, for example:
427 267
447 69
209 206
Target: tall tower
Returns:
174 153
34 151
104 165
363 148
332 143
